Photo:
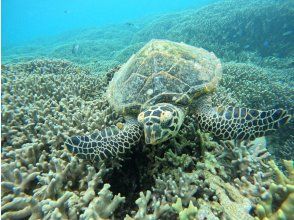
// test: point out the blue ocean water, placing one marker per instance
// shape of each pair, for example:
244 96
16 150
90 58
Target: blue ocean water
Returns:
25 20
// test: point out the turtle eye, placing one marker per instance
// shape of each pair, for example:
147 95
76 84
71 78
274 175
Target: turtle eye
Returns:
141 117
165 116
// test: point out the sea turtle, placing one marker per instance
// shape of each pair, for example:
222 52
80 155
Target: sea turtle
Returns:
156 88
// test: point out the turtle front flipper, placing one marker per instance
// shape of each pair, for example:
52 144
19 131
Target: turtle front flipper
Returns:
240 123
110 142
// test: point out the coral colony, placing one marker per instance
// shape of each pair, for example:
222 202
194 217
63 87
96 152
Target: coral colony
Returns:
194 173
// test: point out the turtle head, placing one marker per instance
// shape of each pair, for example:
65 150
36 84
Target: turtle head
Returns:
161 122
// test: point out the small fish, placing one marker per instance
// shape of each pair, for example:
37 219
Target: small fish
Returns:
287 33
246 46
266 44
75 49
66 11
129 24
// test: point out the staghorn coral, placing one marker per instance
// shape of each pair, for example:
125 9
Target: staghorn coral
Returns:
248 156
39 110
102 206
183 185
185 213
211 164
278 201
142 213
234 205
53 104
253 187
55 192
210 196
214 200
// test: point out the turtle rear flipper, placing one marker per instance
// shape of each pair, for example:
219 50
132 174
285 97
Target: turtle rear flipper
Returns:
241 123
110 142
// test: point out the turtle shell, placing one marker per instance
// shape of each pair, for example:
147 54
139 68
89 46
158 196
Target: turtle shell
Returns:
163 71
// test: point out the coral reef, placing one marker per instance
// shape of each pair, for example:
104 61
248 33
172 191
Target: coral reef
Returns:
99 48
185 213
102 206
142 213
259 72
229 28
261 88
203 193
278 201
191 176
247 157
39 110
258 87
281 144
45 66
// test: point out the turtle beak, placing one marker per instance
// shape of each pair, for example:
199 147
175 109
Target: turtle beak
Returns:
149 135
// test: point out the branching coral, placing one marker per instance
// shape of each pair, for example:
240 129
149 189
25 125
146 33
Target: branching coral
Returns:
278 201
44 101
255 186
248 157
184 186
45 113
185 213
102 206
47 66
205 192
142 214
40 108
234 205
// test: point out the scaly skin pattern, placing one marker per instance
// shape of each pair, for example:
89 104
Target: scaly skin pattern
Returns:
240 123
110 142
161 122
